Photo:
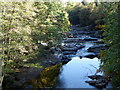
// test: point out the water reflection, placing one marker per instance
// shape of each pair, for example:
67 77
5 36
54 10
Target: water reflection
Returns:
47 78
75 72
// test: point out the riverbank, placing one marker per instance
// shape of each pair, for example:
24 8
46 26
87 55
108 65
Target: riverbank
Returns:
28 72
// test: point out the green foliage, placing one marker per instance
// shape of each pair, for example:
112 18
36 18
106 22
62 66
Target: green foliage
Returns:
15 29
50 21
111 57
24 25
88 14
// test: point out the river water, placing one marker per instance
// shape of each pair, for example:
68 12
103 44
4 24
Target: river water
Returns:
76 71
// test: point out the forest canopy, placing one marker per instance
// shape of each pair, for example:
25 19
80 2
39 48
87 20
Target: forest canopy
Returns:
25 25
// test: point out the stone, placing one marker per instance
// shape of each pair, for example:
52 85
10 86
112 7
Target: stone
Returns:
80 46
69 52
97 48
100 82
95 76
68 49
66 58
91 56
91 82
90 39
101 85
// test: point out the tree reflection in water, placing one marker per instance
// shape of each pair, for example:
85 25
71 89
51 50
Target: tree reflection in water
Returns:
47 78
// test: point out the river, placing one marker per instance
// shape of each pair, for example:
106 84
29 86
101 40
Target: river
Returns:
80 55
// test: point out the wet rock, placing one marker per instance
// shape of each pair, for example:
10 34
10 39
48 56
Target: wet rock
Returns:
54 63
97 34
95 76
77 25
97 48
65 58
82 32
90 39
80 57
91 82
17 84
86 28
101 85
69 49
99 42
99 82
71 45
80 46
64 62
52 50
71 40
68 35
69 52
91 56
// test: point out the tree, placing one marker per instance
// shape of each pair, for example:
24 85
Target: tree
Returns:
111 58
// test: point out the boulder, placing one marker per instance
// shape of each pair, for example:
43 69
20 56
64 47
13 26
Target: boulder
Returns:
69 49
70 40
80 46
99 82
97 48
101 85
90 39
69 52
99 42
95 76
91 82
70 45
65 58
91 56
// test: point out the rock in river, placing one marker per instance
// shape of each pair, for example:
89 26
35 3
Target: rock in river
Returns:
91 82
69 52
80 46
66 58
95 76
97 48
91 56
90 39
69 49
99 82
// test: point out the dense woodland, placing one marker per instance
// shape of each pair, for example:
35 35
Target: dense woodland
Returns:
26 25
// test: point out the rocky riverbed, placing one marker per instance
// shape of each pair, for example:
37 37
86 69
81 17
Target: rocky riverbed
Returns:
75 41
86 43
